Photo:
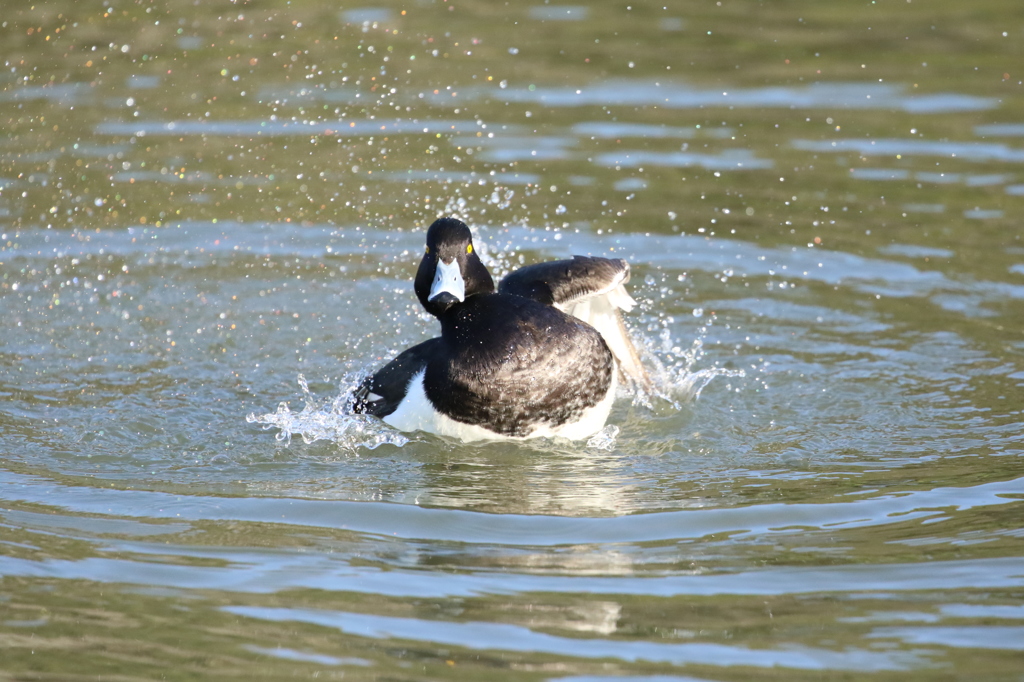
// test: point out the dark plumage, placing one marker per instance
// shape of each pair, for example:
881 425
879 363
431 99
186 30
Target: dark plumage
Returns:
507 364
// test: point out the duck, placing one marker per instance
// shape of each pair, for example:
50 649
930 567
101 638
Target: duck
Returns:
540 356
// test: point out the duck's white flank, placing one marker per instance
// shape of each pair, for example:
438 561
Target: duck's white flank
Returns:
416 413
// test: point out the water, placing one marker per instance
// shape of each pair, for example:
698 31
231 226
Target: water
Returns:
210 217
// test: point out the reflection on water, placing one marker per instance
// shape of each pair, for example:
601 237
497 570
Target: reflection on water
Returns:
819 202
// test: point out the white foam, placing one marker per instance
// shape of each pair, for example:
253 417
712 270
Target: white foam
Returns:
330 419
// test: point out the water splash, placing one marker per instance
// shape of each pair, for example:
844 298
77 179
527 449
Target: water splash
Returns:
671 366
604 439
674 381
329 419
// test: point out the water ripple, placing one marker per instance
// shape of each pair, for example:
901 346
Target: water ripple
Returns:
505 637
341 127
971 151
732 159
850 96
412 522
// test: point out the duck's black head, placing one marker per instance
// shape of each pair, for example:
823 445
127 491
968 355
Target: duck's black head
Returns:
450 270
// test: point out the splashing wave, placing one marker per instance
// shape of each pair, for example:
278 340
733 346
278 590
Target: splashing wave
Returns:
673 382
329 419
671 367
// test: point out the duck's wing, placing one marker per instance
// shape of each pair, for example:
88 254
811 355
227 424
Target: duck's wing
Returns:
564 282
381 393
591 289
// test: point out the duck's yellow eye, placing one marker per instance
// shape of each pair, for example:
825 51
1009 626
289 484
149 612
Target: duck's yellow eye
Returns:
428 250
469 248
